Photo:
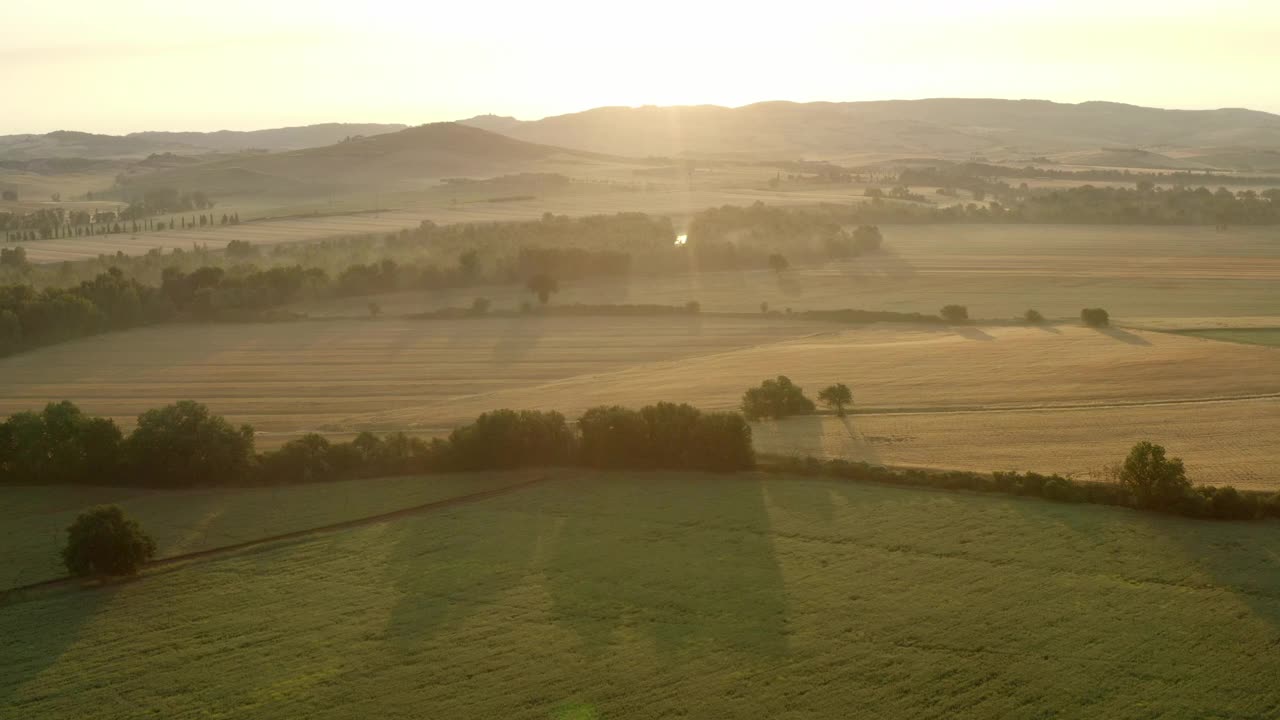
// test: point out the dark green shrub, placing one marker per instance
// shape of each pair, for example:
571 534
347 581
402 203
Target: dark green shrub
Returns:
1154 480
722 443
183 445
510 439
103 542
777 398
1227 503
1061 489
955 313
1095 317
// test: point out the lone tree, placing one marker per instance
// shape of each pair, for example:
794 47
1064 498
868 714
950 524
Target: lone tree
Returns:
836 397
778 262
1033 317
955 313
867 238
103 542
543 285
1095 317
1154 480
776 398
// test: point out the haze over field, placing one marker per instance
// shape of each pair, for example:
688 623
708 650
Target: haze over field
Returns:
577 361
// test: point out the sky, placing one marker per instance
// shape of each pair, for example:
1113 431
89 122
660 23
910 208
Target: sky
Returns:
132 65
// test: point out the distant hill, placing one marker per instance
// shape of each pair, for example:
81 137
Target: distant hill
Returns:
996 129
71 144
401 159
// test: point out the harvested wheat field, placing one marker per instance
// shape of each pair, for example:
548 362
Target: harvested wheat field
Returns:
306 376
1054 398
1221 442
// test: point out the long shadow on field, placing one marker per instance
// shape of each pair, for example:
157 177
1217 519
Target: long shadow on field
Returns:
683 564
455 567
1123 336
972 333
34 634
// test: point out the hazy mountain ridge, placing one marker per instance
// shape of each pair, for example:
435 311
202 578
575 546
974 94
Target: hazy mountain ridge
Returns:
1002 129
425 153
73 144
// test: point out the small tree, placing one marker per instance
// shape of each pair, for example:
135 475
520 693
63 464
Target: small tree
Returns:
103 542
543 285
778 262
777 398
1033 317
374 309
1095 317
836 397
955 313
1154 480
867 238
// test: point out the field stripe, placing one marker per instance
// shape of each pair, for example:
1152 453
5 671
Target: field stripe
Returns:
297 534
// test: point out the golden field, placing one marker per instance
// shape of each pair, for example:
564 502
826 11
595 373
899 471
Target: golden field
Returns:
1058 398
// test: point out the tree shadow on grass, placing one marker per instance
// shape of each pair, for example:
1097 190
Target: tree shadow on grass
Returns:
451 566
1123 335
36 629
972 333
692 574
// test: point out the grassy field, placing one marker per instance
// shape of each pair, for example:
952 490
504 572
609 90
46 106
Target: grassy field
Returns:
183 521
1055 398
1250 336
658 596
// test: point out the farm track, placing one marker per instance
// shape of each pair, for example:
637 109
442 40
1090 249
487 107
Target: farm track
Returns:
63 582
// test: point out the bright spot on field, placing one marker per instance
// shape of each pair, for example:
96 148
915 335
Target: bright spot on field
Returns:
682 239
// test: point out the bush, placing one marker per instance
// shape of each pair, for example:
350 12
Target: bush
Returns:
721 442
510 439
103 542
954 313
867 238
1095 317
1033 317
778 398
480 306
614 437
305 459
183 445
1153 480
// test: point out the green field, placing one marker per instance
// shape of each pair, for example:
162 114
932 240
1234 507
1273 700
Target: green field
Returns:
667 595
1249 336
35 519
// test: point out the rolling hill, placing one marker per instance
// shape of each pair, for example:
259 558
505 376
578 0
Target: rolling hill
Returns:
426 153
71 144
997 129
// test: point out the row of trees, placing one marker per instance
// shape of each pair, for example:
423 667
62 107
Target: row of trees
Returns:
110 301
184 445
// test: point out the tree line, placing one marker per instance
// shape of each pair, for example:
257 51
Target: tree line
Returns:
184 445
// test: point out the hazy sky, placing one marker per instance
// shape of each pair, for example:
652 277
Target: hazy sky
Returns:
133 65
